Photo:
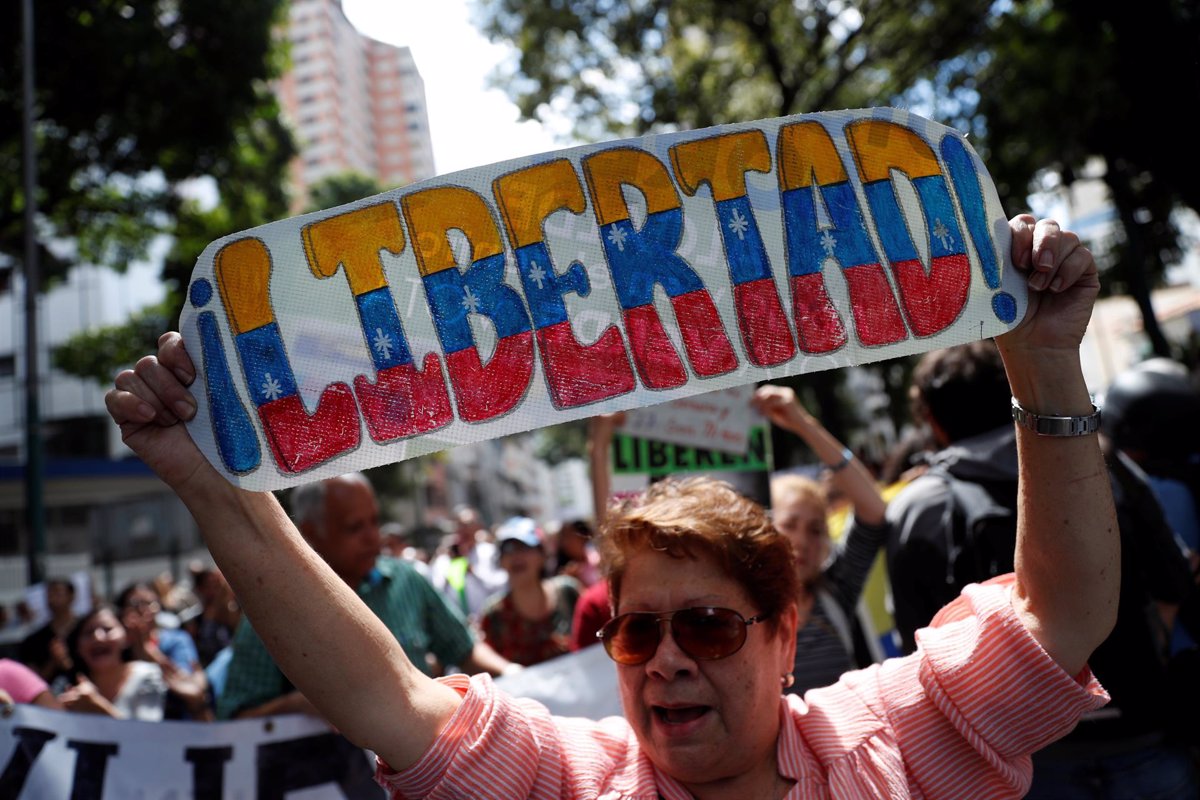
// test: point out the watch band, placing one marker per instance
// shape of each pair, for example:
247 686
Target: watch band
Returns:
1046 425
847 457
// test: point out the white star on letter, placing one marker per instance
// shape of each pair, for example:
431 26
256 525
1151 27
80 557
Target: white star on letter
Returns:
738 224
943 234
828 243
617 236
271 388
537 275
382 343
470 301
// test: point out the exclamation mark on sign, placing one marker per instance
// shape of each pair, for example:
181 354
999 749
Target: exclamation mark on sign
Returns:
237 442
970 197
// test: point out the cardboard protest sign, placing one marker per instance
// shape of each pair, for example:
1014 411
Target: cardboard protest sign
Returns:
595 279
636 456
717 421
635 462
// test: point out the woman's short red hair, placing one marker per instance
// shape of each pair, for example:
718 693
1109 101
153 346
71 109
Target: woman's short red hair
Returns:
693 516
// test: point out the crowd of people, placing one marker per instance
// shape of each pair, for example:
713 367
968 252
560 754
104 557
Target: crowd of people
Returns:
161 650
487 599
743 667
145 656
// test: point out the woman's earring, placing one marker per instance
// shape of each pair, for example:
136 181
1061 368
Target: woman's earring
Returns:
787 680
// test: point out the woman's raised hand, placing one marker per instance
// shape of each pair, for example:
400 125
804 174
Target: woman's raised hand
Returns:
1064 280
148 403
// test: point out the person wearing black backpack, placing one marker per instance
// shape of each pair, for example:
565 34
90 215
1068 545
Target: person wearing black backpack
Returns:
962 394
956 525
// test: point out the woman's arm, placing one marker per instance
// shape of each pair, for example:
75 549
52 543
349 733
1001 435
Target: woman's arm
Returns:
779 404
1068 550
85 698
191 688
47 699
322 636
600 435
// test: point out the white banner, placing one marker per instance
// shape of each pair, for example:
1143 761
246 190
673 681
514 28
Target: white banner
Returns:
581 684
595 279
58 755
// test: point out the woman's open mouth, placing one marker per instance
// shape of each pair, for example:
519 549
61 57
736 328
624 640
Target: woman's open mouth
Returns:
101 651
679 715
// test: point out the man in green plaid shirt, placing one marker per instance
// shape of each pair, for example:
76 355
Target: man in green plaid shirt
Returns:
339 518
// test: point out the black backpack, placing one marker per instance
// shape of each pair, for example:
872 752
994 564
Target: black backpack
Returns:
980 528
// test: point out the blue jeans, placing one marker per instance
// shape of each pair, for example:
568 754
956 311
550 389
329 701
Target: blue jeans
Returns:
1158 772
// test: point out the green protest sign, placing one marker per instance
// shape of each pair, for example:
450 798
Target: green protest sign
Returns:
634 456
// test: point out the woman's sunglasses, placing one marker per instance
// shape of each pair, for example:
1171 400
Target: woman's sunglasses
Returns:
703 632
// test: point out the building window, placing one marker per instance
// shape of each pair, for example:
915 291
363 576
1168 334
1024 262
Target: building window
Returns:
76 437
11 528
8 365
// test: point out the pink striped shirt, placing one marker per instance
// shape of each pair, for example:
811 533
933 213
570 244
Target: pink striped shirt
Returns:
956 719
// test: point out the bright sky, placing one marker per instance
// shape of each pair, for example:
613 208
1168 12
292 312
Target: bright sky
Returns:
470 123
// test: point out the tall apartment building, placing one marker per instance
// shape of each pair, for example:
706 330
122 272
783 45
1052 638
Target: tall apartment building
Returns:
354 103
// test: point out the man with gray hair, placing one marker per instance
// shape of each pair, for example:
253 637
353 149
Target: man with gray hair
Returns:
339 518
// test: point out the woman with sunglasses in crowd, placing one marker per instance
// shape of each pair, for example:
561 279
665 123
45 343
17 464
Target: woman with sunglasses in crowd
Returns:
170 649
113 681
703 589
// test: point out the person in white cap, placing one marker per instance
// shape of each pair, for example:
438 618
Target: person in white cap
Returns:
531 622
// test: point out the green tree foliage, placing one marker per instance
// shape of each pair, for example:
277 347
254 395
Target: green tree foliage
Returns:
250 181
133 101
1054 86
625 67
557 443
101 352
342 188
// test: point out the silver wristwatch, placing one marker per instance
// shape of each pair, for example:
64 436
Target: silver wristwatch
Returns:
1045 425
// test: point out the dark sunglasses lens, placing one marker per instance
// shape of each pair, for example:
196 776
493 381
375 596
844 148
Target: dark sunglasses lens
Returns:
631 638
708 633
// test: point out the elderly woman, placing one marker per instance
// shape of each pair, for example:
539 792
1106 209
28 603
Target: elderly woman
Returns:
705 624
